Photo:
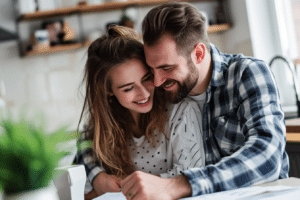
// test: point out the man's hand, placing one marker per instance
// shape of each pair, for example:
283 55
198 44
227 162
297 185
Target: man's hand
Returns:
106 183
91 195
143 186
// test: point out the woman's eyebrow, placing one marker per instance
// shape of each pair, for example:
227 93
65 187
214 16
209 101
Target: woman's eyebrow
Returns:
127 84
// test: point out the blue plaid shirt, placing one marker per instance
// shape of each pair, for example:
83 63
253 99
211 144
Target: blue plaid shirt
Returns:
243 127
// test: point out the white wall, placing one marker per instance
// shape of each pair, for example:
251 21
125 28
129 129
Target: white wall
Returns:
43 83
49 83
237 39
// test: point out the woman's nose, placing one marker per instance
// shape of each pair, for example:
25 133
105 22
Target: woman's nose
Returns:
144 91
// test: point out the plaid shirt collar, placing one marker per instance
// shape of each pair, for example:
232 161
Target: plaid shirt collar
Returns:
220 65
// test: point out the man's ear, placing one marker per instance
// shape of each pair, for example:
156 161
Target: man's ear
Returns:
200 52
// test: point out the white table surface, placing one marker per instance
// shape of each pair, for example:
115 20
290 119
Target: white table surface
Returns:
295 182
292 181
274 190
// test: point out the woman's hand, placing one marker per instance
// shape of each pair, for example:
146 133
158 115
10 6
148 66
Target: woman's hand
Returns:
106 183
144 186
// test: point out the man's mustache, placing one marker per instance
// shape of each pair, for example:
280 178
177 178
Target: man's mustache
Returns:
168 82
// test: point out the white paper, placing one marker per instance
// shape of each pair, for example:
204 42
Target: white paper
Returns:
253 193
111 196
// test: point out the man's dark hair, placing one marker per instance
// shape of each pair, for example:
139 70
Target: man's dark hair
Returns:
182 20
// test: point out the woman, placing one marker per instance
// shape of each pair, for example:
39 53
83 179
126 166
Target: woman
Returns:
127 120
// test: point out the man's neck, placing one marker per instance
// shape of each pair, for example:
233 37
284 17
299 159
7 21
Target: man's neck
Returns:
205 76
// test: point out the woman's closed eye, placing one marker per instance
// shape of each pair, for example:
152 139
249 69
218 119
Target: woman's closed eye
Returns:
128 89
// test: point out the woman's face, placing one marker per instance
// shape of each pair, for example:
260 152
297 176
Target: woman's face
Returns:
132 84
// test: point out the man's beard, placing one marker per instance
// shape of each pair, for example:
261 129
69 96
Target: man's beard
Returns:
185 87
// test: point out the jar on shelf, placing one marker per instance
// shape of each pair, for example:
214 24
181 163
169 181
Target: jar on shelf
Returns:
41 40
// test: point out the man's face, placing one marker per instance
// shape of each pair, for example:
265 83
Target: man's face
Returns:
173 72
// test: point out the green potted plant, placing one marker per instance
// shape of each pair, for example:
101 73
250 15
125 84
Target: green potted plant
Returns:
29 157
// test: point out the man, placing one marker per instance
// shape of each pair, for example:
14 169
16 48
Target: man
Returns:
242 120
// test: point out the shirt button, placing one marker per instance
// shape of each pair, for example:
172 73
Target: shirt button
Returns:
206 139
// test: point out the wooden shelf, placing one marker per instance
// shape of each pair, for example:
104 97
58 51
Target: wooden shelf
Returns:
86 9
48 14
58 48
211 29
53 49
218 28
109 6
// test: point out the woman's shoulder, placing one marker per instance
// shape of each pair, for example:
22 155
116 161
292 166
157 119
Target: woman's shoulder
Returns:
186 106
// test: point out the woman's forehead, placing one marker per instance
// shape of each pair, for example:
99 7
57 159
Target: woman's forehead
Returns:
128 72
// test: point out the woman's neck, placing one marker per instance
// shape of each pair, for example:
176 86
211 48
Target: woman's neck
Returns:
136 131
136 117
135 128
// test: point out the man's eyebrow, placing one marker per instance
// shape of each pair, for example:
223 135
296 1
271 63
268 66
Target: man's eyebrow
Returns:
133 83
146 74
163 66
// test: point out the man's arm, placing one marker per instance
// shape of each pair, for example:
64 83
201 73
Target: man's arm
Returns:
91 195
262 157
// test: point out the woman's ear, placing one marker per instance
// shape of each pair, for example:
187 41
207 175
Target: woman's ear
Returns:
110 94
199 52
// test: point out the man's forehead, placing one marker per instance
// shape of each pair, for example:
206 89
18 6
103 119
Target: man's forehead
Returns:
160 55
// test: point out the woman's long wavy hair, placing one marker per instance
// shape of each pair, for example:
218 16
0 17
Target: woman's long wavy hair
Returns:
108 123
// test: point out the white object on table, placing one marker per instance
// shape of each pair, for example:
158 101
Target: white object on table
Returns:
283 188
70 182
111 196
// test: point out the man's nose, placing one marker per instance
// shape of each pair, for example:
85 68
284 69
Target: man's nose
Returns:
159 79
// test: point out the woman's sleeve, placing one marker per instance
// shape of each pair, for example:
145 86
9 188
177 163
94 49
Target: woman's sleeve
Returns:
186 141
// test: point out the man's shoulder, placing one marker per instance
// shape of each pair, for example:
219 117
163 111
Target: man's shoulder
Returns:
233 64
241 61
237 65
228 58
